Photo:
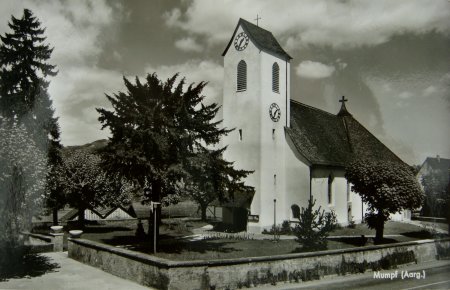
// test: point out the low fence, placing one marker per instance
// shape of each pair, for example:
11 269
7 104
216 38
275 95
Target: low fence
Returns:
249 272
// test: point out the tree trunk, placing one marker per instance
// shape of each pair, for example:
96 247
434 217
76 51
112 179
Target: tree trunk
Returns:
203 209
156 197
55 216
81 219
150 227
379 228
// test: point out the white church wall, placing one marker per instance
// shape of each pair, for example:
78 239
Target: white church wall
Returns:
297 183
240 112
273 167
340 201
319 188
358 211
262 147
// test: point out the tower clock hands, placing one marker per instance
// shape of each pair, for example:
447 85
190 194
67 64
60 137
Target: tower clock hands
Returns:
241 41
274 112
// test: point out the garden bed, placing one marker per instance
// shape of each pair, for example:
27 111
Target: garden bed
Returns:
178 241
241 272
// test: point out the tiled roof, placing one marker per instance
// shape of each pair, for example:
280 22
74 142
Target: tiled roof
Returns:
333 140
438 164
262 38
103 212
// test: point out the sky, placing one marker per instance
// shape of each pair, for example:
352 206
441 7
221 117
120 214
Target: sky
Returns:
391 59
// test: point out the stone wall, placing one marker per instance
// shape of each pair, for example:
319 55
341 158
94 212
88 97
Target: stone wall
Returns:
248 272
36 243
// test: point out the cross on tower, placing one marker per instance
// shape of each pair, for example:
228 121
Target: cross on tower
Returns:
257 18
343 111
343 100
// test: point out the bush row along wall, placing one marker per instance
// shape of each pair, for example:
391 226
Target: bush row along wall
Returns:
248 272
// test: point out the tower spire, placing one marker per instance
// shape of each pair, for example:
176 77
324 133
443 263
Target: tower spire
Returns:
257 19
343 111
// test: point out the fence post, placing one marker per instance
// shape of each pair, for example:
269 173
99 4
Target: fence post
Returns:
57 238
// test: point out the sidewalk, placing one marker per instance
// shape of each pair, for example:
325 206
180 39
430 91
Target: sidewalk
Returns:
71 275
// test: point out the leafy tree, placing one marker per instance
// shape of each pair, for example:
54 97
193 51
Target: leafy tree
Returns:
24 68
22 182
435 185
386 187
86 185
314 227
158 132
211 178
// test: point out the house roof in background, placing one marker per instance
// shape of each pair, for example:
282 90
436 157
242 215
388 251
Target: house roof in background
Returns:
437 163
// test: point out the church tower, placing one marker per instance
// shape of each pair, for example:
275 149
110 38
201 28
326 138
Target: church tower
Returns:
256 102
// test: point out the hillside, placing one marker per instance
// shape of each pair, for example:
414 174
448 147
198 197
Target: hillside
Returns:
93 146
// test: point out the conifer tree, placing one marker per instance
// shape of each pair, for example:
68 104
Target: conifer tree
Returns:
24 99
213 178
160 134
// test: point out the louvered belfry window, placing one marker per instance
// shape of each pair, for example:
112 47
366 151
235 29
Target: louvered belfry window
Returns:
275 78
241 76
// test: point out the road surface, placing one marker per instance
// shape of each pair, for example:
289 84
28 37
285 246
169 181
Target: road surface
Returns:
434 275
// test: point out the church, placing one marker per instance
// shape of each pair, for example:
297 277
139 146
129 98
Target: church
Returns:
297 152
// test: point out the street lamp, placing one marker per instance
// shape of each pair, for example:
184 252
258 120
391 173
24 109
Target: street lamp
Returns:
274 218
154 207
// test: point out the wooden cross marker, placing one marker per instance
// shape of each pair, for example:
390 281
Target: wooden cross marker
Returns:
257 18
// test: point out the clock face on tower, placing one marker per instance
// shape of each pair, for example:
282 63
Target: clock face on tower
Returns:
274 112
241 41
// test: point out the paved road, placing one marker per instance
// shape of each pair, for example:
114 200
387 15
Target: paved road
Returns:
437 276
71 275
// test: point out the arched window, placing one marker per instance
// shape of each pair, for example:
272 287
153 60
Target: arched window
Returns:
275 78
330 189
295 211
241 76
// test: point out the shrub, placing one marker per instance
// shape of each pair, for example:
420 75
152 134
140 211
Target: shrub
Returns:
351 223
314 226
283 229
286 228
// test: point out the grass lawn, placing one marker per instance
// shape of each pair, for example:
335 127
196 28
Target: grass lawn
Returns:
390 228
177 243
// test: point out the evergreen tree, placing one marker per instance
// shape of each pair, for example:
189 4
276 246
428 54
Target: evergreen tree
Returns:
24 68
213 178
314 227
159 134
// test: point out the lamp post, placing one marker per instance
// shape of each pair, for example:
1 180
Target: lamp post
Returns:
274 218
154 206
